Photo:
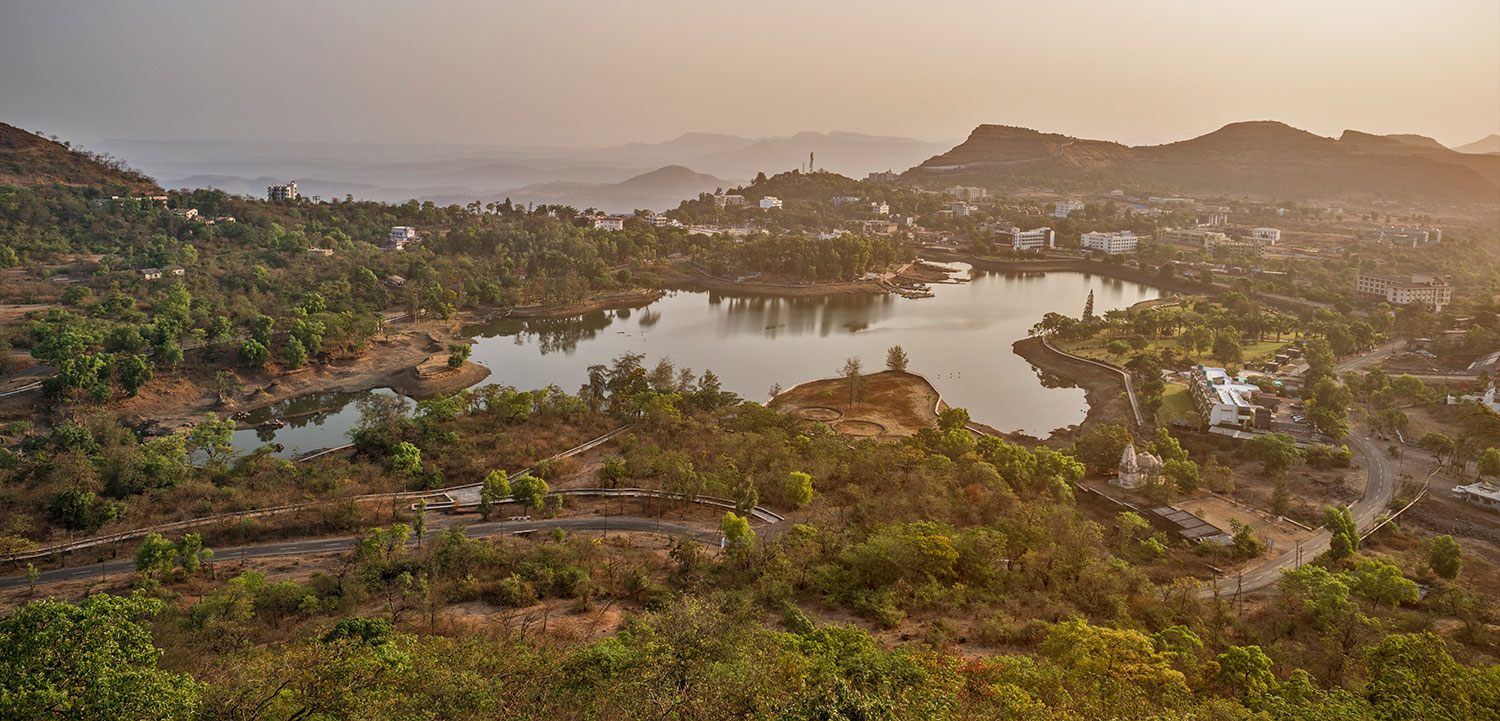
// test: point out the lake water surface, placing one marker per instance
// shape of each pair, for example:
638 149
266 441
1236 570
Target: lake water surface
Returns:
960 340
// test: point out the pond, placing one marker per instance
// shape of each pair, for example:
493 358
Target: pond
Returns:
960 339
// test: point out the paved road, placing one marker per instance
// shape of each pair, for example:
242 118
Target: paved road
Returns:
1379 488
1360 362
328 545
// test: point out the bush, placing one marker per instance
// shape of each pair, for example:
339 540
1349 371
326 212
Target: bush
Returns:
513 591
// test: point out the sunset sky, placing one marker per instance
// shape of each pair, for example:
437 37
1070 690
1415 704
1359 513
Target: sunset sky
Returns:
567 72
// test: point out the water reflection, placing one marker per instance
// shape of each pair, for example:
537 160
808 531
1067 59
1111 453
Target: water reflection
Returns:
960 339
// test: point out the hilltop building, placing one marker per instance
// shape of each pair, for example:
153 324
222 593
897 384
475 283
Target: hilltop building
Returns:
402 236
1115 243
1035 239
186 213
609 222
729 201
1430 290
885 177
282 192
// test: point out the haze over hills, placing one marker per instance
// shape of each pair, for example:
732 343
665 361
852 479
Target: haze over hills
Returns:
401 172
659 189
1488 144
1262 158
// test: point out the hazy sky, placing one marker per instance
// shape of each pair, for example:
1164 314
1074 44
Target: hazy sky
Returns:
610 71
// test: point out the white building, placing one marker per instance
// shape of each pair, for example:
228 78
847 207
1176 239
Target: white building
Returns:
186 213
324 252
1269 236
282 192
402 236
659 220
880 208
609 222
1220 400
1116 243
1432 291
769 202
1064 207
1482 494
1035 239
1136 468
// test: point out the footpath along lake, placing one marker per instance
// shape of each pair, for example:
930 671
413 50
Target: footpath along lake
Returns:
960 339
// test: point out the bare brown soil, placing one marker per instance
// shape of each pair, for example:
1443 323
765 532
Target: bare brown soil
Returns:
895 404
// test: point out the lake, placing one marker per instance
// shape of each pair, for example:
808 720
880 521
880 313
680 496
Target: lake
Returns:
960 339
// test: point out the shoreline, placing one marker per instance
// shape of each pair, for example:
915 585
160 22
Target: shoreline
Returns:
1103 391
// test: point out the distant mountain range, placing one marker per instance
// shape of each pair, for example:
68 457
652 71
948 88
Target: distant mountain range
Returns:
659 189
1261 158
462 173
1489 144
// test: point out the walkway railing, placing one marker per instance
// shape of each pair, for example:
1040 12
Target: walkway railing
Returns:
1135 406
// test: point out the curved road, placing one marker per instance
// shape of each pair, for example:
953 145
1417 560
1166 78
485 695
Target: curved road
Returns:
329 545
1379 488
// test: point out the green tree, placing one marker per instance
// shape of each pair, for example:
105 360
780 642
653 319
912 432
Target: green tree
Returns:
92 661
799 489
1184 474
529 491
1345 534
135 371
156 556
213 437
1489 463
293 353
1382 583
253 354
1444 556
191 554
406 459
1101 446
736 528
458 354
495 489
896 359
1277 451
1117 348
1244 671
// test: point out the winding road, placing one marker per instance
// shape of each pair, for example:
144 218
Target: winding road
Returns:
630 524
1379 488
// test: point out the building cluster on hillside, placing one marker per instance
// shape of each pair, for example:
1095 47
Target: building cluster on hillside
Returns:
1115 243
287 191
730 200
402 237
1223 402
1409 236
1426 289
608 222
159 199
769 202
883 177
158 273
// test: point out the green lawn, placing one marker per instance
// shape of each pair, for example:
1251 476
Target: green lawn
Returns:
1255 352
1176 403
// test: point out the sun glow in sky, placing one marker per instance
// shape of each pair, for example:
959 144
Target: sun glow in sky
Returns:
570 72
